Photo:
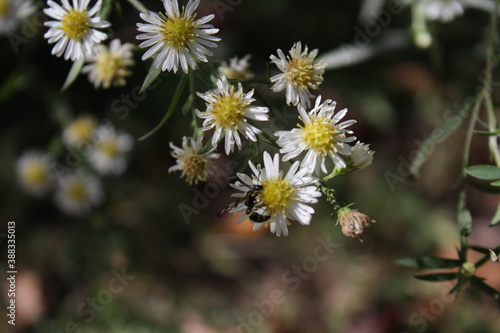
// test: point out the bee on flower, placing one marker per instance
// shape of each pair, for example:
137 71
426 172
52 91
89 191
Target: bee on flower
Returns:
228 111
277 198
300 73
109 66
322 135
78 193
175 37
34 173
194 166
237 69
74 28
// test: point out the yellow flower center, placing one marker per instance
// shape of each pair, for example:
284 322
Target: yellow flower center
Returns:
4 7
320 135
35 174
77 192
81 130
275 195
301 73
109 67
109 148
75 24
177 32
228 110
194 168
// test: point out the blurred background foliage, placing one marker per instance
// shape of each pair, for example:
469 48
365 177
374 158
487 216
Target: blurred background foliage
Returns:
213 275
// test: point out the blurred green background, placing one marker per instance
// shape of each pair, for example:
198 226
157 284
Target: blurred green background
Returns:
213 275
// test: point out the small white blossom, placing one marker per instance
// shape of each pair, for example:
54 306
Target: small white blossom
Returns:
227 111
108 153
300 73
361 155
280 198
321 136
12 13
237 69
78 193
442 10
34 173
109 66
175 37
74 29
79 132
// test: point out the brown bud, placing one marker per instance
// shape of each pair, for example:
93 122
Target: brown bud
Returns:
353 223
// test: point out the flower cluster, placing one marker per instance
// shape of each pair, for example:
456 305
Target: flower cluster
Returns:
77 188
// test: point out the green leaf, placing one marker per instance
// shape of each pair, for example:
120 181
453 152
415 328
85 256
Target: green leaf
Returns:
150 78
488 133
488 290
138 5
496 183
488 188
171 108
73 73
496 218
464 216
484 172
437 277
427 262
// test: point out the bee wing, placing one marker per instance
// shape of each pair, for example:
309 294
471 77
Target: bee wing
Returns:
229 207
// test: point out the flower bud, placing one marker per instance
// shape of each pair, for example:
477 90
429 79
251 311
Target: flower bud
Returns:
353 223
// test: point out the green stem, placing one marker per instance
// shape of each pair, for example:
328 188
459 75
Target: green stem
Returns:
173 105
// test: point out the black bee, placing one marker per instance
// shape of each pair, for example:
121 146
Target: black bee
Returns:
250 201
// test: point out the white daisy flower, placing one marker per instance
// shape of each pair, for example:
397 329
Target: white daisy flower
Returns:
194 166
108 154
74 28
78 193
227 111
109 66
276 199
442 10
33 172
12 12
300 73
79 132
176 37
321 135
361 155
237 69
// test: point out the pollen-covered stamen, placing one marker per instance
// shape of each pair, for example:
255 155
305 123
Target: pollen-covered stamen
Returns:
108 66
195 168
275 195
321 135
301 73
109 148
34 173
229 110
75 24
178 32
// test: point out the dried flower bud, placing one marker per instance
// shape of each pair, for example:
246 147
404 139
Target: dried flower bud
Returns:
353 223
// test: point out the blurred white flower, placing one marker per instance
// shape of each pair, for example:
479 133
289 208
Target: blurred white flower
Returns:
109 66
12 13
237 69
300 73
74 28
322 135
78 193
279 199
34 173
80 131
108 153
442 10
194 166
227 111
174 37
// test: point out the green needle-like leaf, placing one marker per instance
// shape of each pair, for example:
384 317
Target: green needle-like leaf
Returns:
150 78
437 277
488 290
427 262
73 73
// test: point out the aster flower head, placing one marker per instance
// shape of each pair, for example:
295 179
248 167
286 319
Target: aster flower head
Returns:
442 10
228 109
12 12
80 131
74 29
237 69
300 73
322 135
194 166
280 198
108 153
361 156
109 66
175 37
78 193
34 173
